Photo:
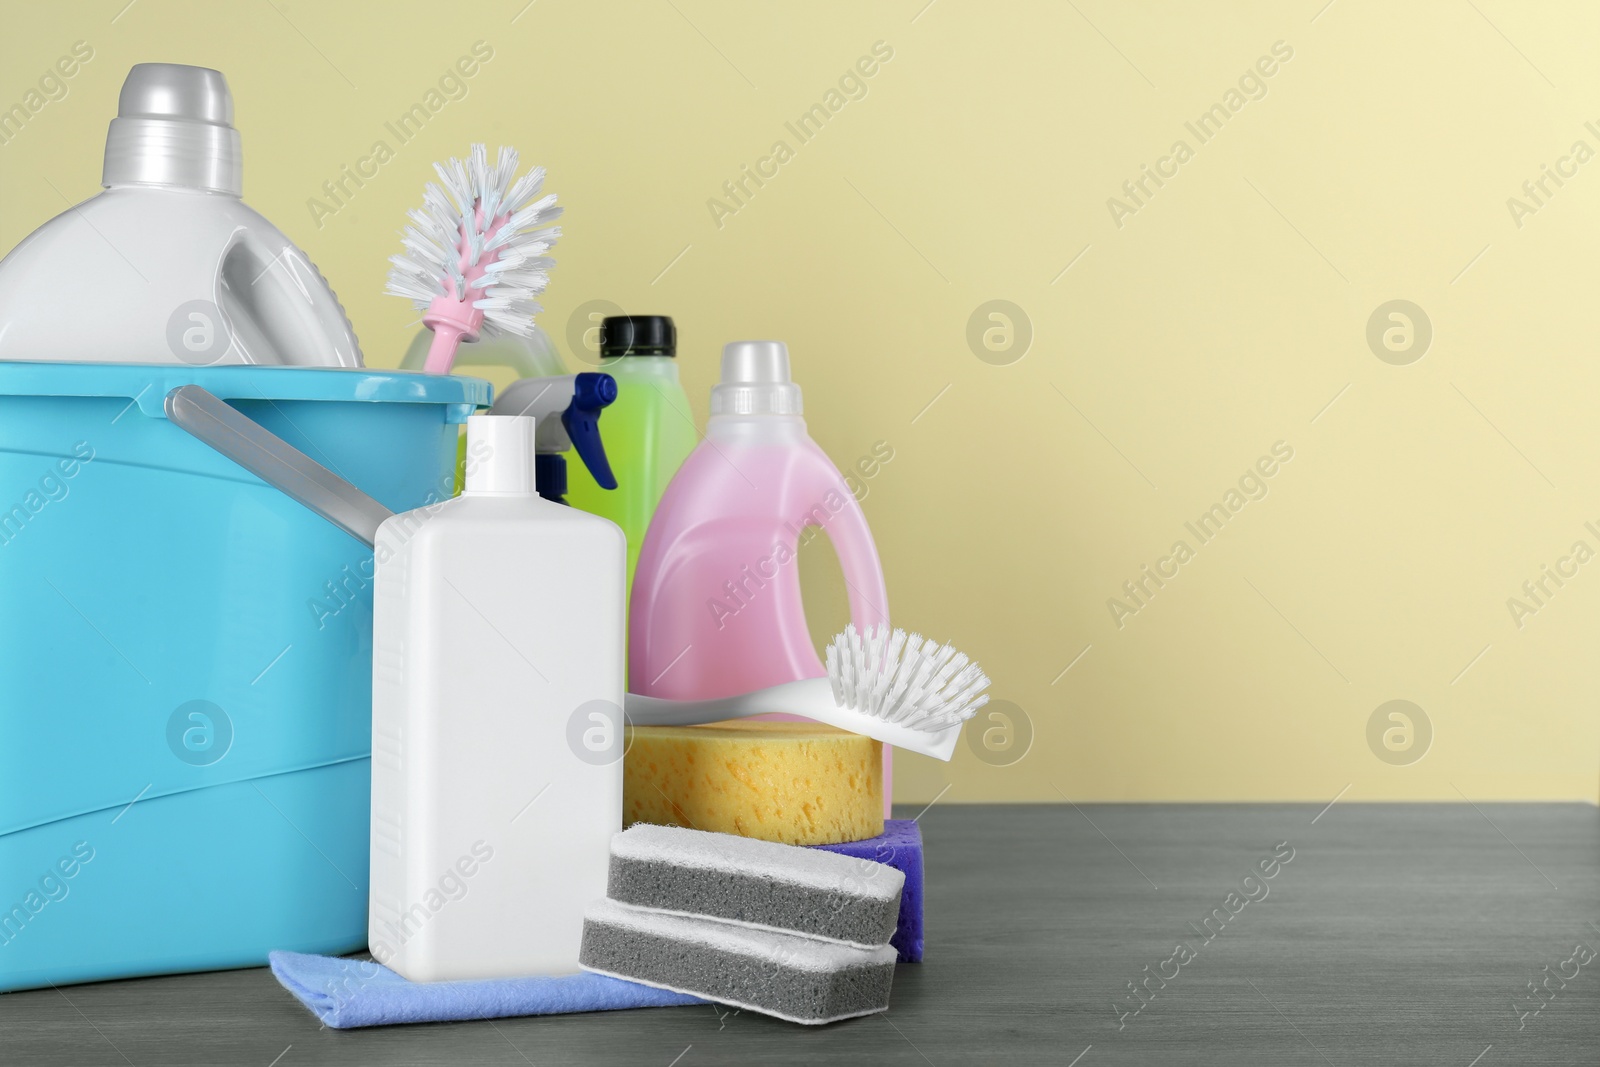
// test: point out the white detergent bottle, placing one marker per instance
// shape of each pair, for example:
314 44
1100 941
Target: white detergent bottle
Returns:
168 265
497 734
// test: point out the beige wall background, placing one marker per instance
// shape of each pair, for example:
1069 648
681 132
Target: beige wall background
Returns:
1158 341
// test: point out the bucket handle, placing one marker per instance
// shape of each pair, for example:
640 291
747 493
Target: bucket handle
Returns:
275 461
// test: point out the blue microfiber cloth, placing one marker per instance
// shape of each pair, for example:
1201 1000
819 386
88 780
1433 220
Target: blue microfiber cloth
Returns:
346 993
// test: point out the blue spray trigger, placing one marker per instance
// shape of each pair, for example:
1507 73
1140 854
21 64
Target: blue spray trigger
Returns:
591 393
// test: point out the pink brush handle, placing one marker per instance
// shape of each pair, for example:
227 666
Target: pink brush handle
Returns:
442 351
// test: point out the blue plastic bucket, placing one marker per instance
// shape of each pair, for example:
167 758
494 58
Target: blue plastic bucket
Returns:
185 663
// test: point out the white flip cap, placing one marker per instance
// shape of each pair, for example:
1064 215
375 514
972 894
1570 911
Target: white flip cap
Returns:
500 454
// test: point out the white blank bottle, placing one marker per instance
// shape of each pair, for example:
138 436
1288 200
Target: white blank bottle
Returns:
497 695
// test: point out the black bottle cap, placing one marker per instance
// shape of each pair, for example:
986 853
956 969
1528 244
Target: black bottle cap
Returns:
638 335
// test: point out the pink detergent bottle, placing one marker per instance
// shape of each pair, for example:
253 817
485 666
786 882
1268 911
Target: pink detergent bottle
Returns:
716 608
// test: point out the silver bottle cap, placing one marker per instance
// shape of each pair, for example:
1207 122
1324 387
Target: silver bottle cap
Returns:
174 126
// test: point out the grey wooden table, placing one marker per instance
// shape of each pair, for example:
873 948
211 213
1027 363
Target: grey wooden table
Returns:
1396 934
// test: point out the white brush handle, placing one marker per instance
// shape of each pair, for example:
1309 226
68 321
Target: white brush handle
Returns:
792 698
810 698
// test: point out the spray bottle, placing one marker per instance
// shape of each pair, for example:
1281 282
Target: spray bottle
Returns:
566 410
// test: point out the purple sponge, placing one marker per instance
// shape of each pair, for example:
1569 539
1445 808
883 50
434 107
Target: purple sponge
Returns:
900 846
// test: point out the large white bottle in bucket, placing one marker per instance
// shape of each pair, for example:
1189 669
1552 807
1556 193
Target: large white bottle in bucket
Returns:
168 265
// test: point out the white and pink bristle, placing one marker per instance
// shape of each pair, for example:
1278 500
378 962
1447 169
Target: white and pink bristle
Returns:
904 679
474 254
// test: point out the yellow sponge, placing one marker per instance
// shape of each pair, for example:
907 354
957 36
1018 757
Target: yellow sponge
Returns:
798 783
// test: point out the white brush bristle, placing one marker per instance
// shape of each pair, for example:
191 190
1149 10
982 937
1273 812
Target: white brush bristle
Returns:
463 207
903 679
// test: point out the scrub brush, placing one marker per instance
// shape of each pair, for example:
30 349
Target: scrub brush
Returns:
905 691
474 252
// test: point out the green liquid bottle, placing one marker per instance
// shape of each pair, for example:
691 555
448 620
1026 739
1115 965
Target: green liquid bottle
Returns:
649 429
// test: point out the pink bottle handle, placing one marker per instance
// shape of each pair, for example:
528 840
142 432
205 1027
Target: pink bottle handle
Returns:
863 574
863 577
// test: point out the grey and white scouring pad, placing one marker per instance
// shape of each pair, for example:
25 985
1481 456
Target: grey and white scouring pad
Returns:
756 883
800 979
